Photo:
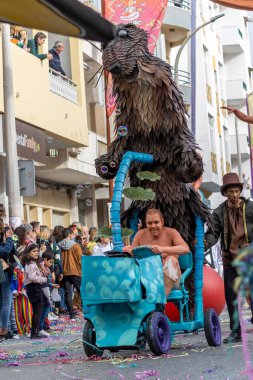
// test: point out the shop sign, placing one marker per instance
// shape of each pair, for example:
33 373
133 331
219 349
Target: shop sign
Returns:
31 142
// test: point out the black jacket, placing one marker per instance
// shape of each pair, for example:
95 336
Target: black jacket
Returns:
221 231
55 63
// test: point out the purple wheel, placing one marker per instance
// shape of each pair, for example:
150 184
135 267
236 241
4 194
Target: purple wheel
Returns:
212 328
158 333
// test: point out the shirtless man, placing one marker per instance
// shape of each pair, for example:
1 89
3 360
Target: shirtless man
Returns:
166 242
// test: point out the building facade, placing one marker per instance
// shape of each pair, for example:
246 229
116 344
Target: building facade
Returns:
60 124
222 77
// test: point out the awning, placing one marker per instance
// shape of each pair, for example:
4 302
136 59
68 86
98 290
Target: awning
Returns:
68 17
239 4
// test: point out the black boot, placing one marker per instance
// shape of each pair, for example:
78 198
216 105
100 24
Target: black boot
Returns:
234 337
35 334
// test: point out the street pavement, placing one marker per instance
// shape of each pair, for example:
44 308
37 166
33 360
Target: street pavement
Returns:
62 357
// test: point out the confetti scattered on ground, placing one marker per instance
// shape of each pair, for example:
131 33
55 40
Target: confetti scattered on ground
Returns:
62 353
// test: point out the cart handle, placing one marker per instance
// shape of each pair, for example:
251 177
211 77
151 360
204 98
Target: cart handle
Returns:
127 160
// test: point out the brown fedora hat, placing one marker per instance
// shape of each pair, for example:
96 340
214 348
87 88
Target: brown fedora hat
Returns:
229 180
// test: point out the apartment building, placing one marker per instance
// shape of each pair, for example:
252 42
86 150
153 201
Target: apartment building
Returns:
64 121
61 126
222 76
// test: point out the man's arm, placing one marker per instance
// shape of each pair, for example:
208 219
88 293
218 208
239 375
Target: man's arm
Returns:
137 238
6 248
180 247
62 72
242 116
212 235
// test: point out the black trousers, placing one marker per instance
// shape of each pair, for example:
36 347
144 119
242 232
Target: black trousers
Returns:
35 295
230 275
67 282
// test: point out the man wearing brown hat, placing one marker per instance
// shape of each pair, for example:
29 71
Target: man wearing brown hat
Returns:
233 224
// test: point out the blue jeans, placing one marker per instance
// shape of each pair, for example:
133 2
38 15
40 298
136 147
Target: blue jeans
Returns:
62 302
5 302
12 326
44 315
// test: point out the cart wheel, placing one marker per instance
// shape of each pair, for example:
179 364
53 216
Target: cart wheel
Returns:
158 333
212 328
115 349
89 336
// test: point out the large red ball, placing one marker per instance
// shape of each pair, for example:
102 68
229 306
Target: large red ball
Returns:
213 290
213 294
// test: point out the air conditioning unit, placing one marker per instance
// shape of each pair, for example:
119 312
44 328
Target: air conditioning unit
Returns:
74 152
90 3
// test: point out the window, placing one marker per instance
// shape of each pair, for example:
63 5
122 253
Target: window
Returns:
211 132
206 63
221 79
226 146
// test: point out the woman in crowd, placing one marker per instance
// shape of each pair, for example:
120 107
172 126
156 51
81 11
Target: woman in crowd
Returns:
56 237
93 236
23 241
23 40
83 242
34 278
6 250
44 240
103 245
30 233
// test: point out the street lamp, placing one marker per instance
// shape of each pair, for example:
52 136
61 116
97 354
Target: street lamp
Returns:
189 36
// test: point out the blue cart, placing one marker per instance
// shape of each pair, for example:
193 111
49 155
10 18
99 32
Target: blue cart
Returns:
123 297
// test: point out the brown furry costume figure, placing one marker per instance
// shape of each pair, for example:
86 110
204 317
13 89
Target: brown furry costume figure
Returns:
151 107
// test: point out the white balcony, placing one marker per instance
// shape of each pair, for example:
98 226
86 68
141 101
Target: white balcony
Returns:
177 21
232 40
244 146
62 86
183 4
184 82
236 90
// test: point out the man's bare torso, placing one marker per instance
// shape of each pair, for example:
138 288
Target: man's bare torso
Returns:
164 239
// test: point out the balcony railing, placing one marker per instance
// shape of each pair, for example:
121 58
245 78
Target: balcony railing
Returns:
184 4
62 86
184 77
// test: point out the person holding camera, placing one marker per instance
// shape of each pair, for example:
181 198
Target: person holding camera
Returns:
6 250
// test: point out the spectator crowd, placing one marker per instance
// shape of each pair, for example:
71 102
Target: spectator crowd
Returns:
20 38
40 275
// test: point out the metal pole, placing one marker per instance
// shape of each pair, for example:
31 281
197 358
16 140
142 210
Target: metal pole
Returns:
108 129
189 36
12 172
193 70
238 150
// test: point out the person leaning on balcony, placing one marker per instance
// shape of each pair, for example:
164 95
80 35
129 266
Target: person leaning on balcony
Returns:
33 44
242 116
55 63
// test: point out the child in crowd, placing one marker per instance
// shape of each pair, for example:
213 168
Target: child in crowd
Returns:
48 260
22 305
34 278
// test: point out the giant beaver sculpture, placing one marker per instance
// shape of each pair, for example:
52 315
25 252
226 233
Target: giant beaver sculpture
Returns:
150 106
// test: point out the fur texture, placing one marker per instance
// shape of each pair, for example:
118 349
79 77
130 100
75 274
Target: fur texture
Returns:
152 108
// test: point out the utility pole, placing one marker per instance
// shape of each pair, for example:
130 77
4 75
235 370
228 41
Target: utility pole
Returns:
12 171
